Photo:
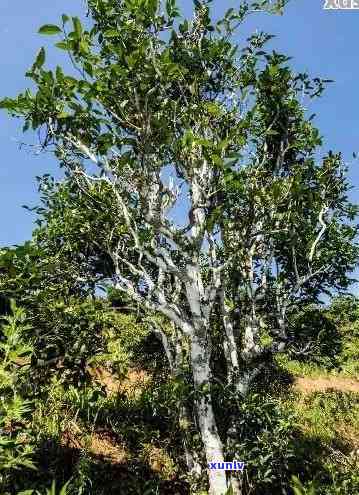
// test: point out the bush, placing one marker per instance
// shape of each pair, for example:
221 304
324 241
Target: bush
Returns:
16 446
265 443
331 481
315 332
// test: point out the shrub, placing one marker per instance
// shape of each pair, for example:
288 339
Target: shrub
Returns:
16 447
265 436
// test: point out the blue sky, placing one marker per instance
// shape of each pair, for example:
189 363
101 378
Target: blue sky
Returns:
324 43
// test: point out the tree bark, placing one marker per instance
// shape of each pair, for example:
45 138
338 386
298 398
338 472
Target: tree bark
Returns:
173 348
213 446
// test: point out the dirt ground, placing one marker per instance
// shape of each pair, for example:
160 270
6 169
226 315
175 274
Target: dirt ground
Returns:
308 385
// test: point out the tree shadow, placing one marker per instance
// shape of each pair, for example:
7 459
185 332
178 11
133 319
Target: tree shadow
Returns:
314 457
94 473
273 381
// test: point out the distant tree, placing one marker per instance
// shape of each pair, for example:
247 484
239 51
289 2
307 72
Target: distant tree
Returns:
165 113
343 312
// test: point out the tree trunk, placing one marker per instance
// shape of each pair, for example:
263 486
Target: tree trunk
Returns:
213 447
229 342
173 347
192 458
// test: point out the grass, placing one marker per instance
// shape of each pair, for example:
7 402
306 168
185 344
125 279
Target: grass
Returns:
297 368
106 439
328 424
331 416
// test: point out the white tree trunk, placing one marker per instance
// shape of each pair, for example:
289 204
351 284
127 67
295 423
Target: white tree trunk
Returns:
173 347
212 443
192 457
229 343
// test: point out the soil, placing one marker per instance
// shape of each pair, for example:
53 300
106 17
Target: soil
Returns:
132 384
308 385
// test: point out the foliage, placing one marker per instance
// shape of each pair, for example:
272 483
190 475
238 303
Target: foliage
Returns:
300 489
344 313
71 328
265 443
329 336
344 481
331 416
49 491
83 332
16 442
328 456
316 333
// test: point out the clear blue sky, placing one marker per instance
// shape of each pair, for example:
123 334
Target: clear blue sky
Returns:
324 43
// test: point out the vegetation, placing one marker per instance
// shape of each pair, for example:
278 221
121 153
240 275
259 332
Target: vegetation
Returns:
136 349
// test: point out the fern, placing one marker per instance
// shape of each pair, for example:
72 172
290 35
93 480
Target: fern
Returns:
49 491
15 351
300 489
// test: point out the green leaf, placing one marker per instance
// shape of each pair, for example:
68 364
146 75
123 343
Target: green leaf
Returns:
88 68
64 489
65 18
59 74
63 45
217 160
8 104
213 108
111 33
63 115
49 29
77 26
273 70
40 58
